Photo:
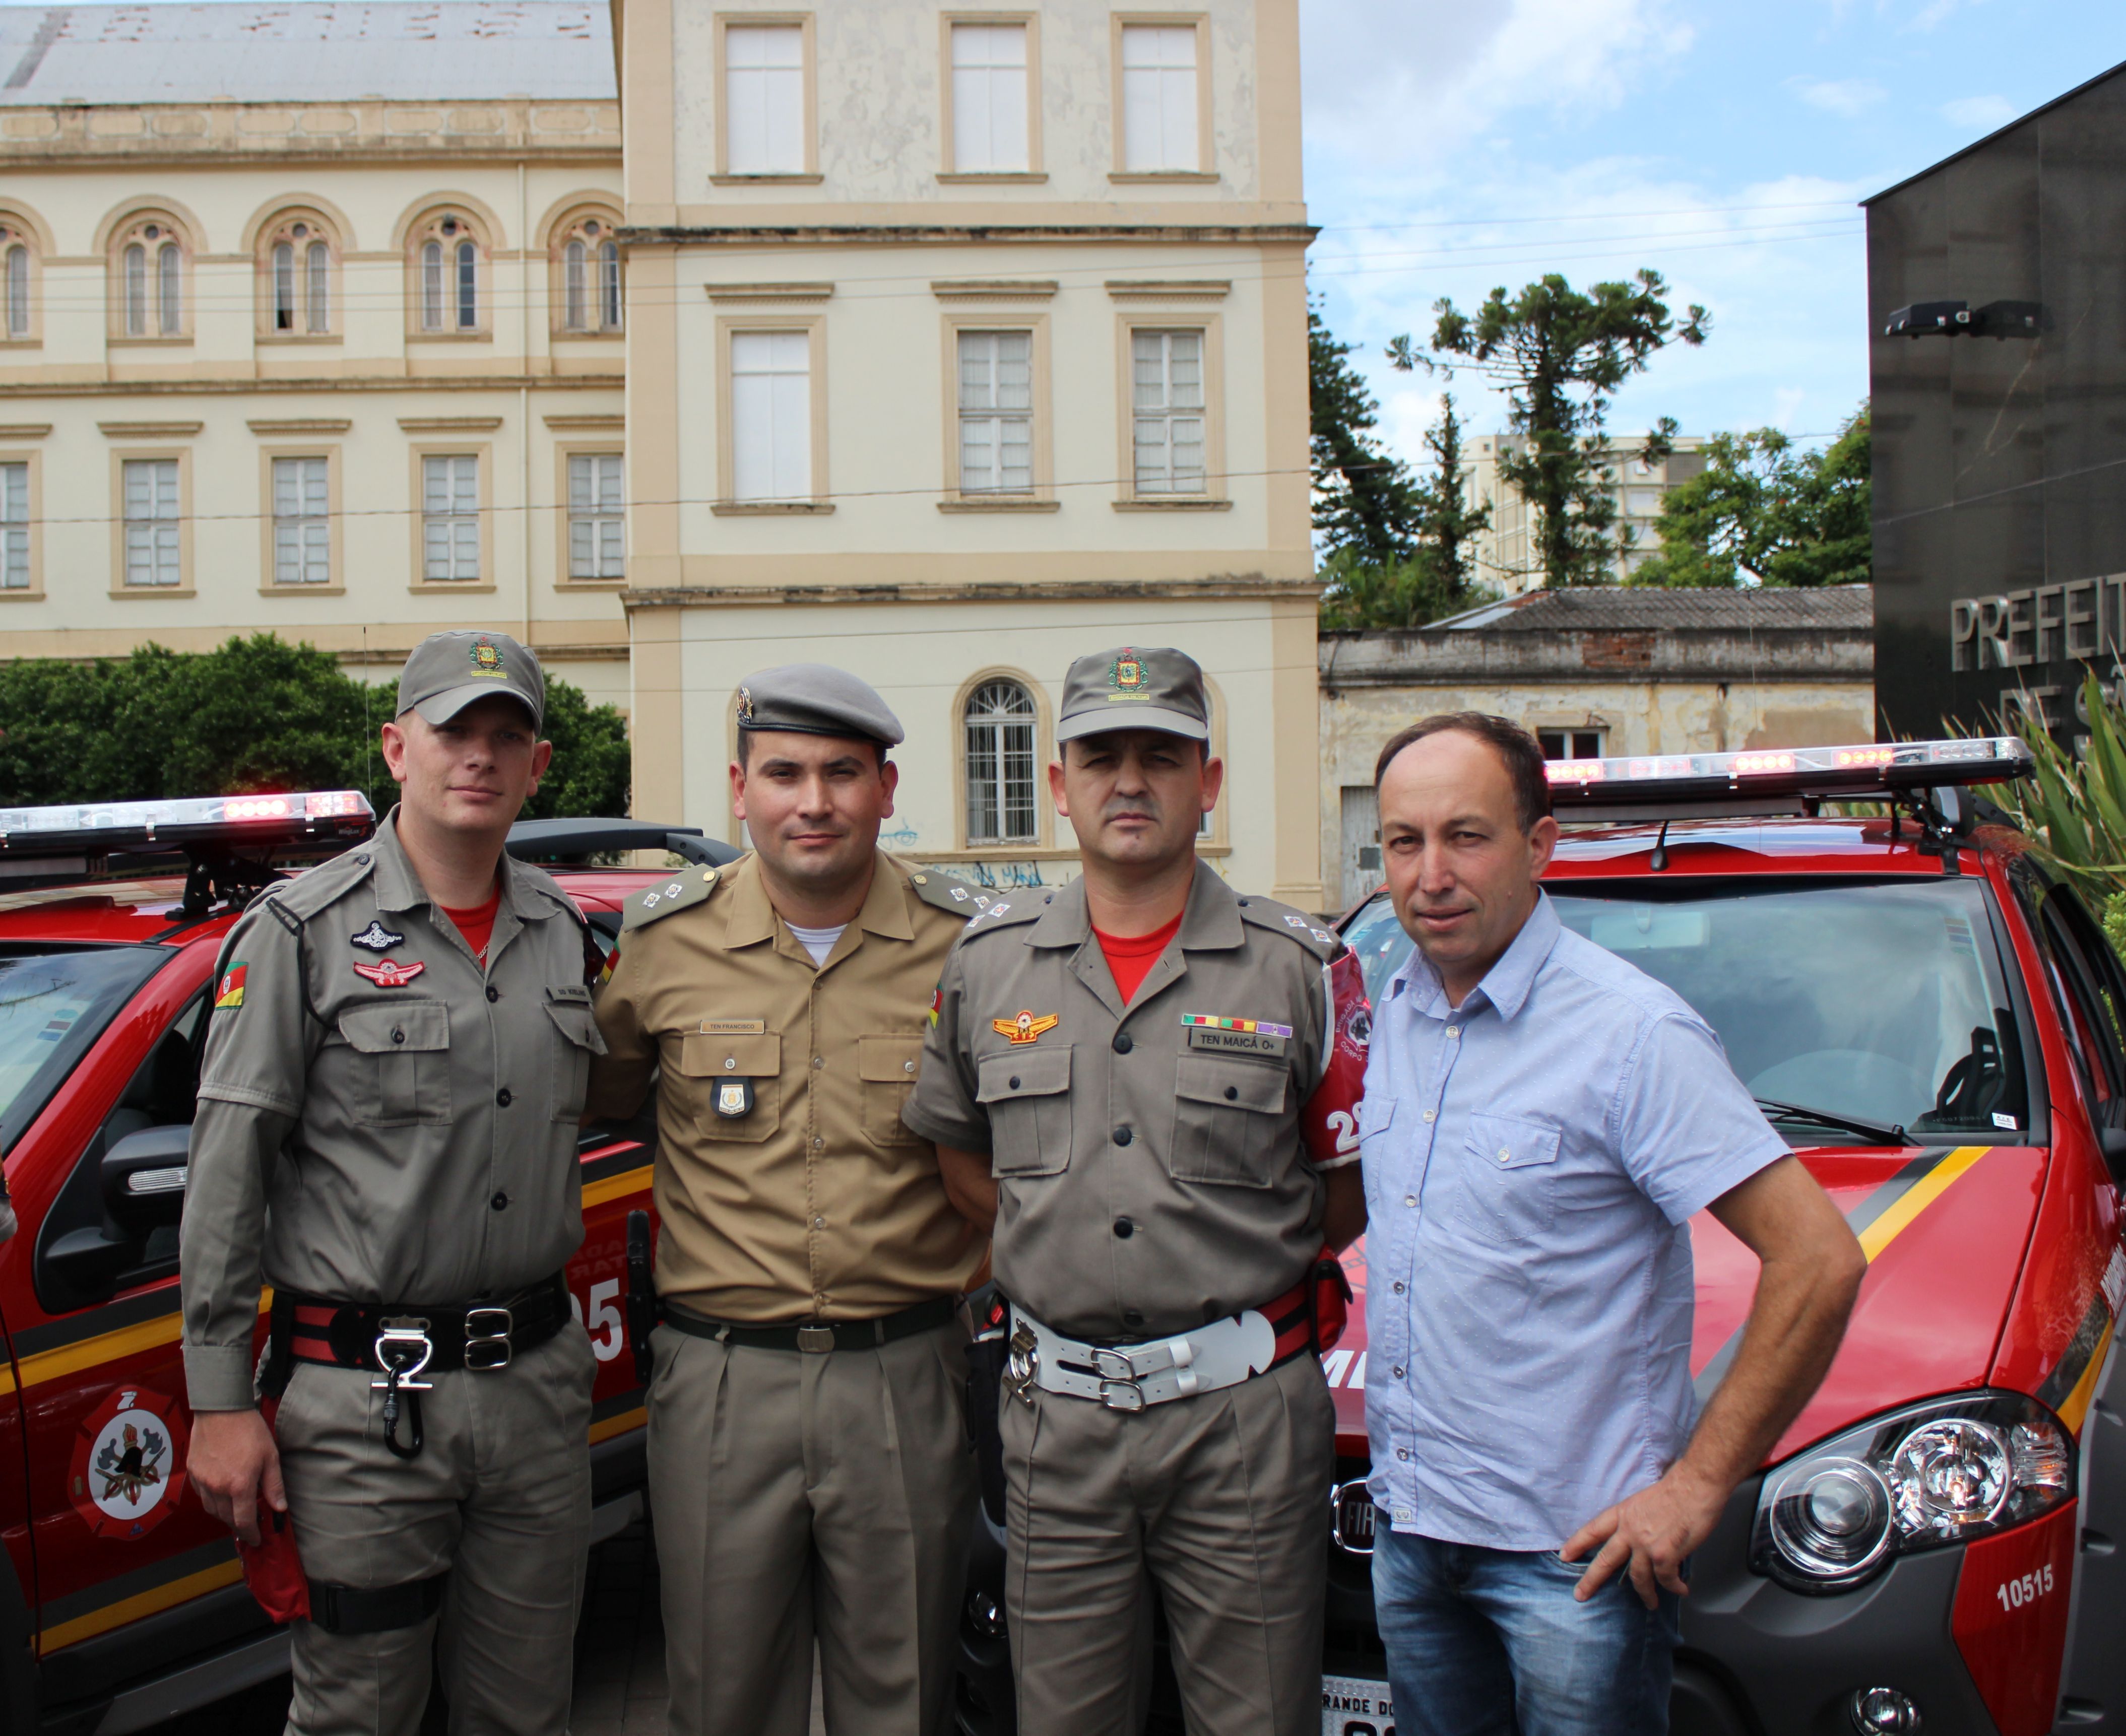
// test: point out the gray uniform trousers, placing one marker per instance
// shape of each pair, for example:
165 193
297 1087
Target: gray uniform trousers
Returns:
795 1495
1224 1498
499 1498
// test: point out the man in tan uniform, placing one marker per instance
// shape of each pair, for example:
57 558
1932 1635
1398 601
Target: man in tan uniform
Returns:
395 1068
1129 1074
809 1472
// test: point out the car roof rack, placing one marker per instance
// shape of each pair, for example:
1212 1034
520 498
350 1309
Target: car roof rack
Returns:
226 846
577 840
1781 780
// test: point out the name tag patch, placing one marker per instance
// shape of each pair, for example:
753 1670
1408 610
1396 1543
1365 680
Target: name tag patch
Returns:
733 1027
1223 1035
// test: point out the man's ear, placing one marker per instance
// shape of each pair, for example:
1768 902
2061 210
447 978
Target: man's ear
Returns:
888 776
1055 789
394 752
738 790
1543 843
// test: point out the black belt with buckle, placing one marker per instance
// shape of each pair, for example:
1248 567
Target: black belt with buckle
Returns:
482 1337
818 1336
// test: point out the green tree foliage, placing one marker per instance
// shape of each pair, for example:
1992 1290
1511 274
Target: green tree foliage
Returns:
1560 356
257 714
1365 498
2075 806
1759 506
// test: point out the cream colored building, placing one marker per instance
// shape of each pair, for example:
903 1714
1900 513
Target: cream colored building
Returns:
962 342
1594 673
1507 558
311 320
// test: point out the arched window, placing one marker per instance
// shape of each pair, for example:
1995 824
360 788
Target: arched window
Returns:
298 252
587 294
1001 722
151 260
14 282
447 253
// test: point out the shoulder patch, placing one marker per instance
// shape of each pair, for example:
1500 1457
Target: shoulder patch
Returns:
1318 938
946 892
1005 913
688 887
295 901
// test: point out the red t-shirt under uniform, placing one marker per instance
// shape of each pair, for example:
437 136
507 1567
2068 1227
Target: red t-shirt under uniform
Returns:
1130 956
477 925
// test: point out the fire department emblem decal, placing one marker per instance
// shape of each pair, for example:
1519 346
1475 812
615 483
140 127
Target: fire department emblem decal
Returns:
1126 673
127 1464
487 658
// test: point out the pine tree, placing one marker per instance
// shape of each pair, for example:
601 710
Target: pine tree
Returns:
1364 497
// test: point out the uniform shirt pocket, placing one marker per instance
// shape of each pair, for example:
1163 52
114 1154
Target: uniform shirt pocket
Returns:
1227 1115
885 1070
569 1007
1028 1096
401 1076
1508 1190
715 1067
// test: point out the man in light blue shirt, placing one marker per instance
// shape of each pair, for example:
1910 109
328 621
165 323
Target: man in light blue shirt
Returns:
1541 1122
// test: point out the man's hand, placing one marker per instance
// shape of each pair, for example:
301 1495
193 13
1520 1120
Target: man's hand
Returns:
969 1186
232 1460
1650 1534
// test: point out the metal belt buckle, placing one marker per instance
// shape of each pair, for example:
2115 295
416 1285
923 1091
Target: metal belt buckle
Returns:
490 1341
403 1348
1121 1395
814 1339
1023 1366
1114 1364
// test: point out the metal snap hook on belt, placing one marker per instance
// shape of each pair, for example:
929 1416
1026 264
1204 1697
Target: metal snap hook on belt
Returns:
1022 1366
402 1349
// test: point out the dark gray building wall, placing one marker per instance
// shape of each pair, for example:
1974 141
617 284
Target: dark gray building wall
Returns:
2000 465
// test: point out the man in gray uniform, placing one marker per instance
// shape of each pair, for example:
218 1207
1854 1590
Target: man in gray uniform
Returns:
1127 1076
395 1068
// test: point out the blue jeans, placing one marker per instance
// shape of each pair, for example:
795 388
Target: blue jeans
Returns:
1486 1642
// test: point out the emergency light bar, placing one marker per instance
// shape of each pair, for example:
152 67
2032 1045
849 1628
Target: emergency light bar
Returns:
311 818
1775 779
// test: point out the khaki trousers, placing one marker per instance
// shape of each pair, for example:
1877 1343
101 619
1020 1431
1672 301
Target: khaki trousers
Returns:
796 1495
1223 1499
499 1498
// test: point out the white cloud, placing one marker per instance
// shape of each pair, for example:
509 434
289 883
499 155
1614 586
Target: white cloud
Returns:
1979 113
1846 97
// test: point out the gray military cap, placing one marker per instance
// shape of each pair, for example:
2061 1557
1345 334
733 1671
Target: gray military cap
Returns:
816 699
448 671
1128 689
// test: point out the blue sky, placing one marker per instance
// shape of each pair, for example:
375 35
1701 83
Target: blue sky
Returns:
1453 145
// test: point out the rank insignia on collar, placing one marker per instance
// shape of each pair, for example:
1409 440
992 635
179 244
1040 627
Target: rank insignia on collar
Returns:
733 1098
391 973
376 938
1025 1028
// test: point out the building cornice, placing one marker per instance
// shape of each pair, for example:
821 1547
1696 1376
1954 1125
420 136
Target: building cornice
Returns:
942 234
1474 655
364 383
1220 586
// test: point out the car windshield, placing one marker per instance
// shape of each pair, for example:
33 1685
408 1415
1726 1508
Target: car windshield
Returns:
54 1005
1879 1002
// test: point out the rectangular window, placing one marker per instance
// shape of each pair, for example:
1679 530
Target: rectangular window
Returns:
1159 97
14 528
1570 744
450 517
596 523
302 521
988 98
996 413
152 554
1166 405
764 99
771 415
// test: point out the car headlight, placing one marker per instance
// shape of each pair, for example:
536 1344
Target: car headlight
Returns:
1929 1475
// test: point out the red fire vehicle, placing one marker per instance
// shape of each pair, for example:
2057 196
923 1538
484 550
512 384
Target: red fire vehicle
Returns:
121 1603
1930 1014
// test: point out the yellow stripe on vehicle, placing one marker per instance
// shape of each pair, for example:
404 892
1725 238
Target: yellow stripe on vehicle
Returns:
619 1425
1923 1193
2074 1406
628 1182
128 1340
141 1603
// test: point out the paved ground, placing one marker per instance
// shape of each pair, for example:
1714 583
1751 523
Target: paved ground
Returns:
620 1660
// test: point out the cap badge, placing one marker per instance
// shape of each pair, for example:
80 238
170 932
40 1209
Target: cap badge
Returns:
1025 1028
745 706
1126 673
487 658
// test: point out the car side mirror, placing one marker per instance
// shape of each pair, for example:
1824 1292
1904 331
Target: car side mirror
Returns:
144 1177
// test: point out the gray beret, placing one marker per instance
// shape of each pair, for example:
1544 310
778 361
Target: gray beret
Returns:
816 699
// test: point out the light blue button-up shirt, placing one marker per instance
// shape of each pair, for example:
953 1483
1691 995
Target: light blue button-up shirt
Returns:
1532 1160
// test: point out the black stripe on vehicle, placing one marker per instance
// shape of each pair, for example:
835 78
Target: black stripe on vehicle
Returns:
2087 1341
119 1586
31 1340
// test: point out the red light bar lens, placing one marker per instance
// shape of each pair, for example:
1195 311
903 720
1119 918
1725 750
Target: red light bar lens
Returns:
1867 756
1574 771
334 804
1745 764
255 808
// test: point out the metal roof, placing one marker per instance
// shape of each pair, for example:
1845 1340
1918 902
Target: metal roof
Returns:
307 51
1657 609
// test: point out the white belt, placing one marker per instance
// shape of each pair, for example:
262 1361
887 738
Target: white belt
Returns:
1130 1376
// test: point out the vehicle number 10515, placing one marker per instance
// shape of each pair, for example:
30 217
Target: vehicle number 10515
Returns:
2015 1593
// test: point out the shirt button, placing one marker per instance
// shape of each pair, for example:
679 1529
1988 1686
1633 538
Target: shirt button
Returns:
819 1144
908 1067
819 1060
1430 1113
493 992
1125 1228
819 1222
1013 1082
1398 1288
1454 1030
1232 1094
1397 1372
1123 1136
499 1201
1504 1155
1410 1199
1132 1317
1402 1452
1122 1045
398 1036
503 1098
730 1064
